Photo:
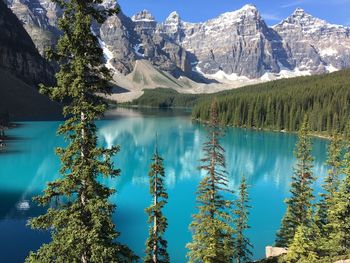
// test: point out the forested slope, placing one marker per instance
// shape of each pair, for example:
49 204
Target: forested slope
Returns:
281 105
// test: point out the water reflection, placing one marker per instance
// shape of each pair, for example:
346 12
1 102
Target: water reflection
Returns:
257 155
265 158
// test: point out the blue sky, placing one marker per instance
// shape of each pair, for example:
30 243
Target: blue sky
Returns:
334 11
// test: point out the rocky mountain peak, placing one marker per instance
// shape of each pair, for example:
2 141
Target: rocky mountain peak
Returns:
109 4
299 12
232 46
144 16
173 18
303 19
246 13
249 8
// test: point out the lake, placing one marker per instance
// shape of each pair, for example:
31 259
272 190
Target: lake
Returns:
265 158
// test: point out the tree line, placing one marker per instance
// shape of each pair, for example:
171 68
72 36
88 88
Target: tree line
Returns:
282 105
276 105
79 214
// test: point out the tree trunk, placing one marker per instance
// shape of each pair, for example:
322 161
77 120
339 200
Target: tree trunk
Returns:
155 225
83 134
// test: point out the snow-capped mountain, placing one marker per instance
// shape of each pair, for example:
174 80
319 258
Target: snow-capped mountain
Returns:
314 44
236 46
236 43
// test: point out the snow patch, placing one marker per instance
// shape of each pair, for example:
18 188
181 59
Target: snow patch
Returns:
328 52
107 54
143 20
268 76
223 76
331 68
137 50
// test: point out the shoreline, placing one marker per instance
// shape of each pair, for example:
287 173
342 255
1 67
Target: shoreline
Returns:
312 134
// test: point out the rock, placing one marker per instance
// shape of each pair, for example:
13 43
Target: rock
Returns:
343 261
21 69
275 251
39 18
236 45
19 55
235 42
314 44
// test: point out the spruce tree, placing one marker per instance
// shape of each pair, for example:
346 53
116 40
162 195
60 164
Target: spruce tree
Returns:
242 244
212 240
79 216
156 245
301 191
302 248
330 189
339 213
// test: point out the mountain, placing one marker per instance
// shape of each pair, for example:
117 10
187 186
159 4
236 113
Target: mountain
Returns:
236 48
21 70
39 18
314 44
130 39
236 43
240 44
18 53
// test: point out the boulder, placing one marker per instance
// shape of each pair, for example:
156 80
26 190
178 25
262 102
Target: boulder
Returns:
274 251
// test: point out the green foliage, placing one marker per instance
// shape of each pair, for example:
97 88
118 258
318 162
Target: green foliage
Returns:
242 244
303 247
212 240
156 245
339 213
282 104
330 189
79 216
300 202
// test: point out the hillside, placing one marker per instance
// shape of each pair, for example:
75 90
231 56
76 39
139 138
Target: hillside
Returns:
23 102
276 105
21 69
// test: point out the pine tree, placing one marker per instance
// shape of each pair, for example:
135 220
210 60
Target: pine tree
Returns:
303 247
301 190
339 213
242 243
212 239
79 216
156 245
330 187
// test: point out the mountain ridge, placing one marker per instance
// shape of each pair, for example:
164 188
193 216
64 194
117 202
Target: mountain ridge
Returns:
235 48
21 70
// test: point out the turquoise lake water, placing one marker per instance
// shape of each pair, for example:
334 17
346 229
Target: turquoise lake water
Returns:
265 158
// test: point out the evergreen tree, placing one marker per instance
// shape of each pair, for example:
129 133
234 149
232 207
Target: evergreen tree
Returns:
339 213
301 190
242 243
330 188
303 247
80 222
156 250
212 240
